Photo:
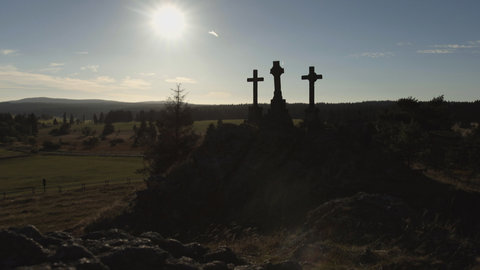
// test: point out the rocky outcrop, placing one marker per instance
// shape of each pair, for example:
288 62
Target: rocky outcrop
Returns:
27 248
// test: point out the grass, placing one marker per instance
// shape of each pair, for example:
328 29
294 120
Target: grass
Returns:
4 153
69 211
65 170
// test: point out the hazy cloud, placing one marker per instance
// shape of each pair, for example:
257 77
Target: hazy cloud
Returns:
436 51
51 69
81 52
373 54
218 94
181 80
146 74
213 33
105 79
11 77
135 83
455 46
403 43
92 68
8 51
56 64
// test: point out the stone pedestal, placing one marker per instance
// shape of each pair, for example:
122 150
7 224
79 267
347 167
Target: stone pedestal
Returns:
278 114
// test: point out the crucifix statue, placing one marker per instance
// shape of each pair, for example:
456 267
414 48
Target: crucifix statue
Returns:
312 77
277 71
255 79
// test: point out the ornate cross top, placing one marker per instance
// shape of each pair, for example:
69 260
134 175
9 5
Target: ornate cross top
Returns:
312 77
277 71
255 79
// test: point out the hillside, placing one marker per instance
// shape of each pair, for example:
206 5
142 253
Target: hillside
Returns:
329 192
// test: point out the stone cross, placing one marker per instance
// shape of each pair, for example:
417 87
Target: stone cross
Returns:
277 71
312 77
255 79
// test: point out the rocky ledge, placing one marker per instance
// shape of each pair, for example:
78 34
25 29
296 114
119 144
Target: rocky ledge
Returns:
27 248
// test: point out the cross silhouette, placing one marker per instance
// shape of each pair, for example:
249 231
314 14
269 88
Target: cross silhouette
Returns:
255 79
277 71
312 77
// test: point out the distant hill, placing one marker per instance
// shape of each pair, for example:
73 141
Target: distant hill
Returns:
57 106
87 107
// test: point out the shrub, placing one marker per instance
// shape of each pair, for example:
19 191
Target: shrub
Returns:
116 141
50 146
90 142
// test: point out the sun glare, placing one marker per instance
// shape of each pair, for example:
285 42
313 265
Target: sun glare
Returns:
168 21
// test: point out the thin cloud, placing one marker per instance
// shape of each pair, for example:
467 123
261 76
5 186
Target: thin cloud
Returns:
146 74
455 46
92 68
213 33
57 64
51 69
105 79
435 51
8 51
181 80
373 54
81 52
402 44
11 77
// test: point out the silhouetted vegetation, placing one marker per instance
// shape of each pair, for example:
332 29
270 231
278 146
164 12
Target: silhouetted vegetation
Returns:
18 127
175 138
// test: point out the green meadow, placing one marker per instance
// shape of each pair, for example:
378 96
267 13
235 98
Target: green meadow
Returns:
66 170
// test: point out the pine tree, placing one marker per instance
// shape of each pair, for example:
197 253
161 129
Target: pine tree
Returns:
175 139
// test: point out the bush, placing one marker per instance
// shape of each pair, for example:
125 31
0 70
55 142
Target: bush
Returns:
50 146
90 142
116 141
108 129
63 130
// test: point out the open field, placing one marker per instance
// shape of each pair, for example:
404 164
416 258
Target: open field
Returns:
124 130
69 207
4 153
69 210
65 171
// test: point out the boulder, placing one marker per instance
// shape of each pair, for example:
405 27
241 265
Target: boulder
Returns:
215 265
135 258
225 255
71 252
17 249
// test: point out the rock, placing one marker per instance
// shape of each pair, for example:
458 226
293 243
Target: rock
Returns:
153 236
195 250
174 247
71 252
183 263
215 265
96 246
90 264
225 255
360 219
17 249
286 265
135 258
60 235
110 234
29 231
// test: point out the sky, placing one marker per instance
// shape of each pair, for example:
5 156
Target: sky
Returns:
365 50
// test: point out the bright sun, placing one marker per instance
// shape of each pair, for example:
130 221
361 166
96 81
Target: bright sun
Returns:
168 21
